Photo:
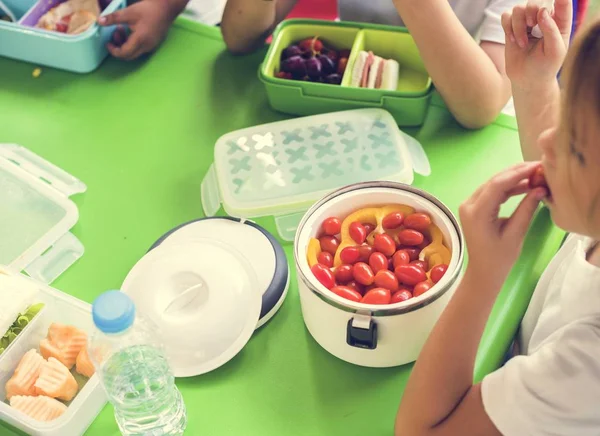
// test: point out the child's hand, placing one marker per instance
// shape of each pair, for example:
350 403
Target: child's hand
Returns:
494 243
148 22
529 60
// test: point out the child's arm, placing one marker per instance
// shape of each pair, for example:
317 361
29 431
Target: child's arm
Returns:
148 22
470 77
532 65
247 23
440 398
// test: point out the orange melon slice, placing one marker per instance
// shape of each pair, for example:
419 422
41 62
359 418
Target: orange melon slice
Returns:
39 408
64 342
56 381
83 364
23 380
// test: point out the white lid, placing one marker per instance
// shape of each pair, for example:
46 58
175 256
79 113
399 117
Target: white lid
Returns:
264 253
36 214
284 167
204 297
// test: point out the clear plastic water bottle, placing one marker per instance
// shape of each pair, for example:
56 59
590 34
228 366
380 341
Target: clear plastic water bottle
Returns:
131 363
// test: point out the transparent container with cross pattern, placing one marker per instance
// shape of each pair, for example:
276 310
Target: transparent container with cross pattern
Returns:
281 169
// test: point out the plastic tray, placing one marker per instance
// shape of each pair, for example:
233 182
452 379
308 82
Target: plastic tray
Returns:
80 53
88 402
408 103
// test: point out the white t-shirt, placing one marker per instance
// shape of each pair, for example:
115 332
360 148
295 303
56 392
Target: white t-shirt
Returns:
481 18
553 388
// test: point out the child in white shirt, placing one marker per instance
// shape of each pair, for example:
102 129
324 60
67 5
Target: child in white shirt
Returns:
553 387
461 43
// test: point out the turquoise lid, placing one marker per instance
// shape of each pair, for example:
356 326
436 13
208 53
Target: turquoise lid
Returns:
113 312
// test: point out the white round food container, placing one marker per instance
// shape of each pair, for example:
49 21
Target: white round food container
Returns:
371 335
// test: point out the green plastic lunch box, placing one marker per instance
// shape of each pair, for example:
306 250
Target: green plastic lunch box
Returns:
408 103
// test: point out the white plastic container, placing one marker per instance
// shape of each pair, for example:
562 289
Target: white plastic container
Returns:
81 412
369 335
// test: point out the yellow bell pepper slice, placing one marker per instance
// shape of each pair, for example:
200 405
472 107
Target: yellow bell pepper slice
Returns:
435 253
313 251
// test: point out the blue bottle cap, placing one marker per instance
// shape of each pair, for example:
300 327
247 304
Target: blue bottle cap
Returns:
113 312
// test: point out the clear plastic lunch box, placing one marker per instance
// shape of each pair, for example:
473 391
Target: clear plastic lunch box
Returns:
281 169
37 215
89 401
80 53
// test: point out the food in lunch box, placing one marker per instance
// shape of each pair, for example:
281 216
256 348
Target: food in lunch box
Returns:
23 380
71 17
381 255
17 308
39 408
311 60
373 72
64 342
40 380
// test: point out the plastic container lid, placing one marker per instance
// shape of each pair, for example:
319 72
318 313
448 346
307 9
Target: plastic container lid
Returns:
36 214
284 167
258 246
203 295
113 312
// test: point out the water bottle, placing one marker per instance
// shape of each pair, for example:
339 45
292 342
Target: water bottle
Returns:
131 363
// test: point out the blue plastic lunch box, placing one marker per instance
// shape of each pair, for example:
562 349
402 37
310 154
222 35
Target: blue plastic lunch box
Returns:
80 53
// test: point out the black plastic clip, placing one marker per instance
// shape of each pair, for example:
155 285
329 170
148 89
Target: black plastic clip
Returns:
362 338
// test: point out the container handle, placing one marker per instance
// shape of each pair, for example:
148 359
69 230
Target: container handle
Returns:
287 225
41 169
362 332
56 260
420 160
209 193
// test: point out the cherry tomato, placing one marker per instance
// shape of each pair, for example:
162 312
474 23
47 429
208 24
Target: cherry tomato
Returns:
331 226
410 274
401 257
421 264
378 262
538 179
357 232
386 279
410 237
437 272
365 252
323 275
357 287
325 258
342 66
393 220
363 273
384 244
413 252
401 295
417 221
377 296
343 274
421 288
350 255
369 228
347 292
329 244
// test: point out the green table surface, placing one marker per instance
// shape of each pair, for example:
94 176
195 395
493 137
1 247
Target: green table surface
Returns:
141 136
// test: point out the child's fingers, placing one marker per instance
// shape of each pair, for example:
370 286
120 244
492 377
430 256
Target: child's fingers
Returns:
554 44
517 225
507 26
531 13
563 15
127 50
519 26
124 16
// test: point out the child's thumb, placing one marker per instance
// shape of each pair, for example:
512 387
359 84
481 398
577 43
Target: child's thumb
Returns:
553 40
